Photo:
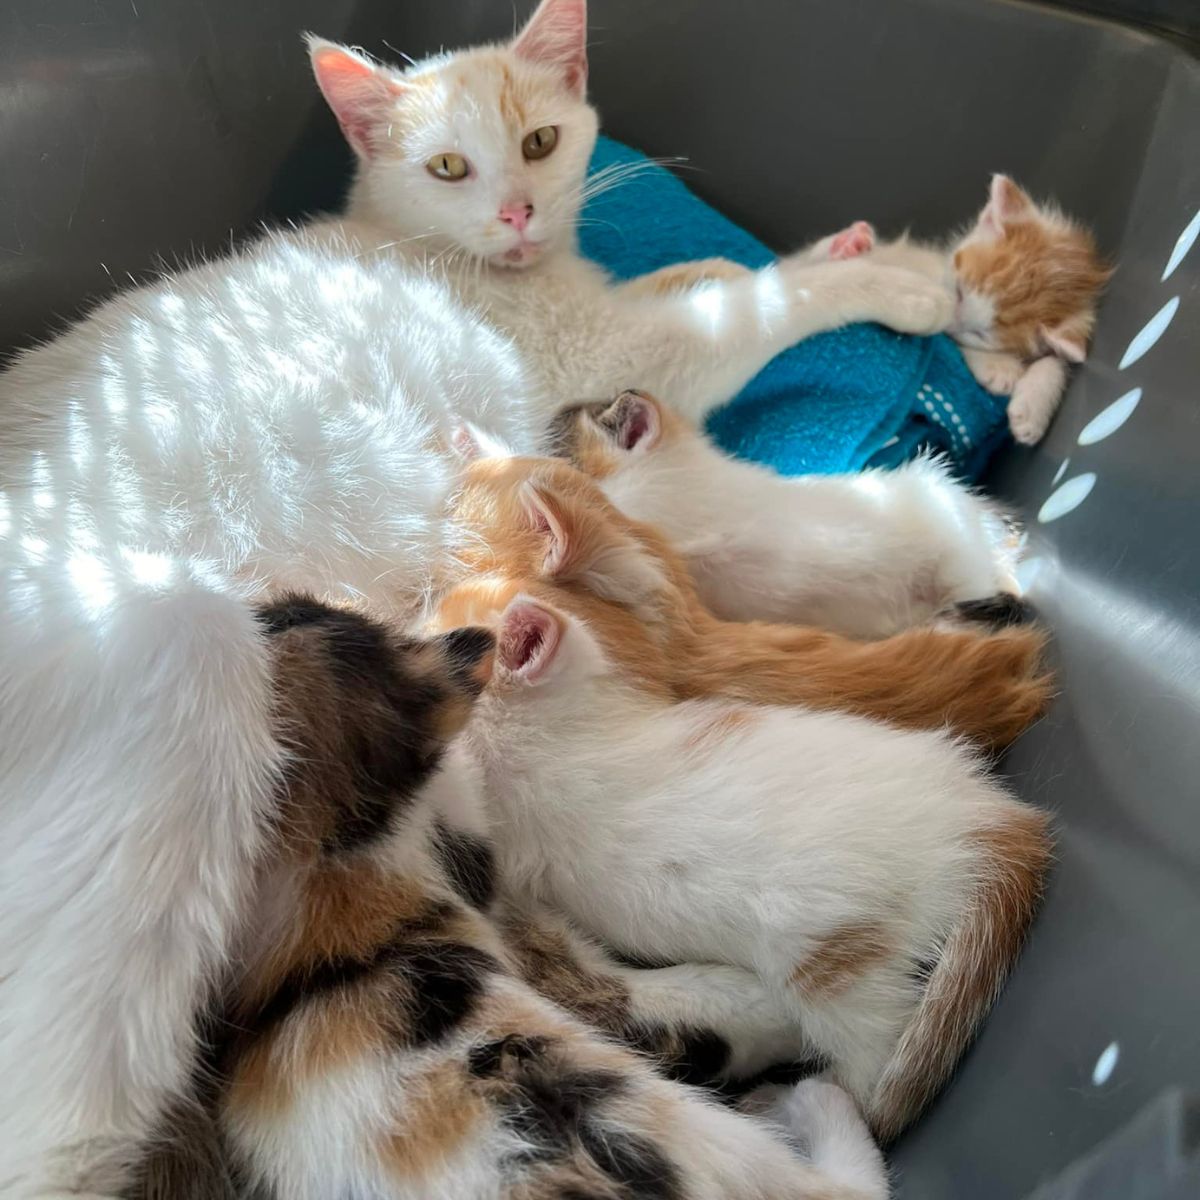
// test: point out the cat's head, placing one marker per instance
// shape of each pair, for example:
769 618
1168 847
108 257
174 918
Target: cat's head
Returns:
571 586
483 150
1028 279
607 436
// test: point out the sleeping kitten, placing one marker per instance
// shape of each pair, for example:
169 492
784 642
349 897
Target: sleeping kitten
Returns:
872 877
1027 280
394 1025
862 552
987 687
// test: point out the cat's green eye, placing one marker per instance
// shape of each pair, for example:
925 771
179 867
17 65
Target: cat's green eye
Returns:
540 142
448 166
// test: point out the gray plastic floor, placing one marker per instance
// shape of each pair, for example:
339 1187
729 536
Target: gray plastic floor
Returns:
137 130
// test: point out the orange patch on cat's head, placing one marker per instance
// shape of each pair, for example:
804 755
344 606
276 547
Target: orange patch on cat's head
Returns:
1036 274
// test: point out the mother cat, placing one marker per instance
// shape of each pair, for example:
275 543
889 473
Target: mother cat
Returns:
280 420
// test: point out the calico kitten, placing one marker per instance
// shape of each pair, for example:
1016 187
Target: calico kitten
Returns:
988 687
872 877
395 1026
861 556
1027 280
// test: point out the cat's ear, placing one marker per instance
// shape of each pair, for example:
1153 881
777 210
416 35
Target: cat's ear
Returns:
1006 203
359 91
556 35
530 634
1068 339
633 420
548 515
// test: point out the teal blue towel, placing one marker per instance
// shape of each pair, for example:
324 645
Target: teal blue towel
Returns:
856 397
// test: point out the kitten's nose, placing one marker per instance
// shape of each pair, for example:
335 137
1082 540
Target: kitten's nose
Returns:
516 215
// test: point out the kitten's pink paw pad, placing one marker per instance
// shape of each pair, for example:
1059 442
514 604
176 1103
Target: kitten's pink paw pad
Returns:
853 241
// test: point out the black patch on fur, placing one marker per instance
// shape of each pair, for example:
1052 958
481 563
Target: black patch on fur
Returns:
785 1074
998 611
448 980
505 1055
633 1162
463 650
445 980
696 1056
469 863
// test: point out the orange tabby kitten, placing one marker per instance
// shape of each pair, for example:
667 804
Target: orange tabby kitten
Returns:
988 686
1027 280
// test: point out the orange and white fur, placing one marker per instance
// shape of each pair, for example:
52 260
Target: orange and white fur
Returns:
277 419
873 877
1026 280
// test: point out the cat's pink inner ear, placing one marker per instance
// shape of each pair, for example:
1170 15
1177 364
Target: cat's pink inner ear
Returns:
1068 340
1007 201
634 420
529 639
545 519
357 90
556 35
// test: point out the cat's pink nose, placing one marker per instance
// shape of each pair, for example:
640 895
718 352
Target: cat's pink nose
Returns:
516 215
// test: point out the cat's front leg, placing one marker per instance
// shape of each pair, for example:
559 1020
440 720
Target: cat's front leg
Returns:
699 348
1035 399
680 277
996 371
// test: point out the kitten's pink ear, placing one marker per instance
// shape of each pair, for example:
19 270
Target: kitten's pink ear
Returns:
546 517
633 420
529 639
1006 203
359 91
1068 339
556 35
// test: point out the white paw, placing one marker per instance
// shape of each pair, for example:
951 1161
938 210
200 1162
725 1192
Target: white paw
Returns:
814 1106
1028 422
1000 376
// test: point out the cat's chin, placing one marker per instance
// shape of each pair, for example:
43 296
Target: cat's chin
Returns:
519 257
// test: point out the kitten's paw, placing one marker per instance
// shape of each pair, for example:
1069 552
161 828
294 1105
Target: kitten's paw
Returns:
1028 422
999 374
852 241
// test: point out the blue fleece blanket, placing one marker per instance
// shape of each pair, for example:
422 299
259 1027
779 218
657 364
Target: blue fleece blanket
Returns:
856 397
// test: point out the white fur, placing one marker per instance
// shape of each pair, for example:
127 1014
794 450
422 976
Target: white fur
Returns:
865 554
623 810
276 419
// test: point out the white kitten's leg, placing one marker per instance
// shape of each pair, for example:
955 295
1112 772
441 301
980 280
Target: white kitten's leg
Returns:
996 371
137 767
1035 399
698 349
823 1119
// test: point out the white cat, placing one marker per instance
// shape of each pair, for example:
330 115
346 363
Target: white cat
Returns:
279 419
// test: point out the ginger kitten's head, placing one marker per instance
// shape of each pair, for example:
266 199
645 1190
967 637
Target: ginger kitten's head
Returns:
1028 279
563 577
481 150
